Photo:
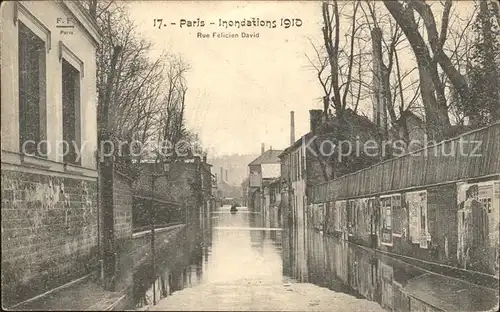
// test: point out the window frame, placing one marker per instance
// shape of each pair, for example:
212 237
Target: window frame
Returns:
22 14
67 54
76 113
31 29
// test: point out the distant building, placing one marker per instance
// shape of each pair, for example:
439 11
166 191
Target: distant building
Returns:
262 170
294 181
314 158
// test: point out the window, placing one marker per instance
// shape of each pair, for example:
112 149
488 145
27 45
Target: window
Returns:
296 165
32 106
302 162
71 112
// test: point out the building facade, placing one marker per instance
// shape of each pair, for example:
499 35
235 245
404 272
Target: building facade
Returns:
262 171
49 139
440 204
294 183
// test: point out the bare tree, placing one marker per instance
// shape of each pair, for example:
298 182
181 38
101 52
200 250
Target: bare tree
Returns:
432 87
389 83
140 99
341 60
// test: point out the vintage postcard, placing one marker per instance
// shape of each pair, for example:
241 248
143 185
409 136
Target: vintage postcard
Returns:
335 155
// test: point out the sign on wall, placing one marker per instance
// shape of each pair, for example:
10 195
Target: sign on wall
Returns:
255 179
417 208
399 216
340 208
363 226
386 220
351 216
321 216
374 214
478 225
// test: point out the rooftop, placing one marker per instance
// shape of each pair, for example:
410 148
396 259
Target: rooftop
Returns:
269 157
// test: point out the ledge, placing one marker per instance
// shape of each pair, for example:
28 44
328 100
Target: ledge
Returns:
168 228
31 164
21 13
71 57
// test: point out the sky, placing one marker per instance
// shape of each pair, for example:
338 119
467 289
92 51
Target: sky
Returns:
240 91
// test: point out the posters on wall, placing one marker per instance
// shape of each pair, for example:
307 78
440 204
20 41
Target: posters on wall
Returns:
399 216
351 216
374 212
424 228
340 207
363 217
386 220
418 223
320 216
331 216
478 225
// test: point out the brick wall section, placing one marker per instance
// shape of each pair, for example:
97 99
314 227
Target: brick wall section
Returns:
177 186
49 232
122 210
173 187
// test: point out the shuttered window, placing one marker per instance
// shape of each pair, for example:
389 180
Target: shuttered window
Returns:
32 86
71 112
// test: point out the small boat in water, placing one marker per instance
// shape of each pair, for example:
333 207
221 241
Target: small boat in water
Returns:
233 209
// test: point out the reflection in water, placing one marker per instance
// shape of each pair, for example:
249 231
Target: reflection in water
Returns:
178 265
344 267
242 247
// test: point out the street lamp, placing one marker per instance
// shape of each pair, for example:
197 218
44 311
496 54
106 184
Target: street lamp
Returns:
159 170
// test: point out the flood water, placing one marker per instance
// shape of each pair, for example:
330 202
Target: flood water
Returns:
239 248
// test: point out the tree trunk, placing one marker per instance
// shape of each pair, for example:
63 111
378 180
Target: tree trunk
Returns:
490 57
380 100
431 88
437 120
93 9
331 41
104 123
437 42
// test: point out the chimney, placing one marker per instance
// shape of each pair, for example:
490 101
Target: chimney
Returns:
226 176
262 149
292 127
315 117
221 174
326 103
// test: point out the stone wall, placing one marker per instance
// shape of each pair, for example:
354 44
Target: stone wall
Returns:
122 209
437 224
49 231
180 186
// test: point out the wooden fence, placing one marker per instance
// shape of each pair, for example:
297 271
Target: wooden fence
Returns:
474 154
